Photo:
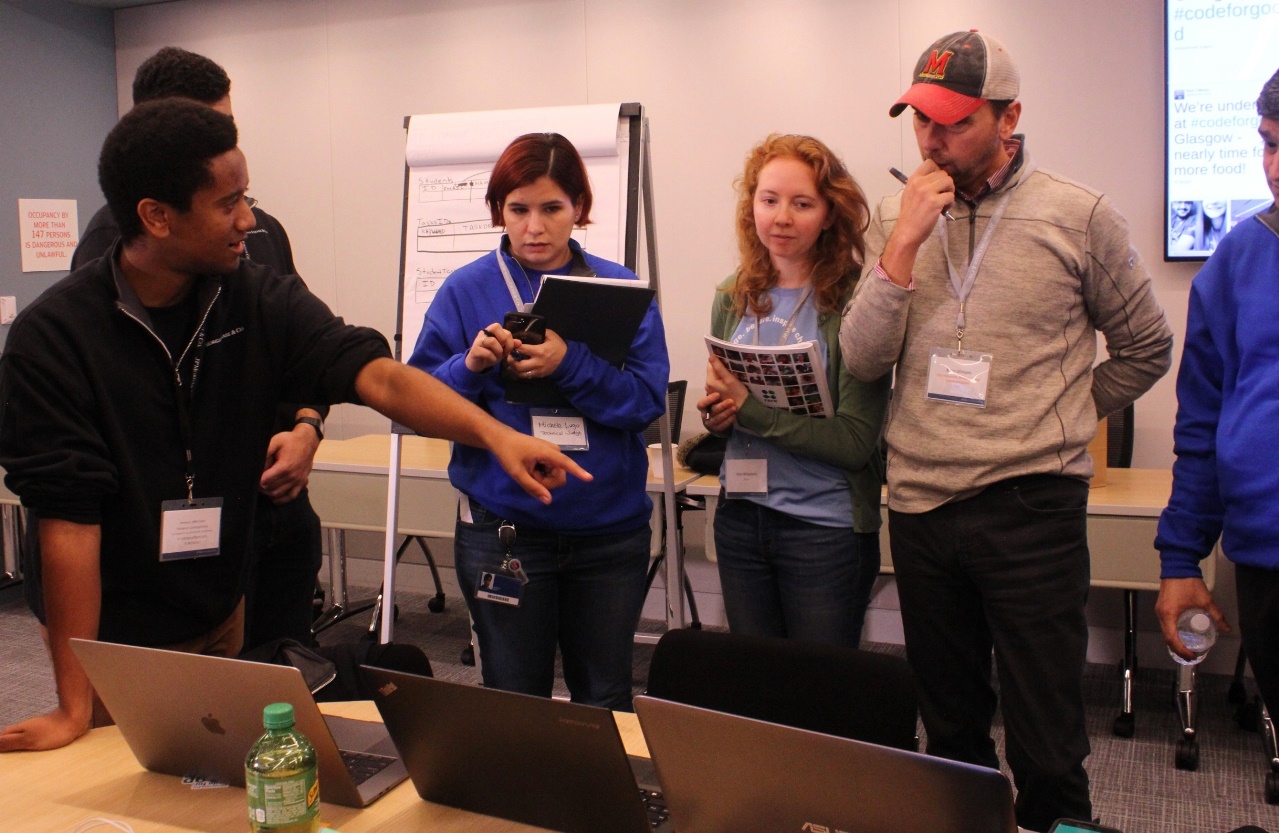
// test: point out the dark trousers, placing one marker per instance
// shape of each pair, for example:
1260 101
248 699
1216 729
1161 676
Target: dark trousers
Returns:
1006 569
1258 592
584 595
286 558
785 577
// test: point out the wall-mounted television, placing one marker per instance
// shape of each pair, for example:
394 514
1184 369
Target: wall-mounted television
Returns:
1218 54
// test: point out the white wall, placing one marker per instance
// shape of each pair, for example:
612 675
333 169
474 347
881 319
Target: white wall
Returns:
321 88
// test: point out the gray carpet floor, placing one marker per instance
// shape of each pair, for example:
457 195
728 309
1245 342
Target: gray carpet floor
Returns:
1135 786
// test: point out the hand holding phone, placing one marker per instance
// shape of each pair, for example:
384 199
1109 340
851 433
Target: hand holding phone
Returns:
528 327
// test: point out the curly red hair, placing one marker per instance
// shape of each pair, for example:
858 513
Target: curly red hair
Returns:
840 249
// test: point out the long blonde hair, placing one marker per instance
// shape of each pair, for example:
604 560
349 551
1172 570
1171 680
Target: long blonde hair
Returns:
840 249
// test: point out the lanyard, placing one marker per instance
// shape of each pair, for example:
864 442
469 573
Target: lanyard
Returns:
183 395
519 302
964 286
790 322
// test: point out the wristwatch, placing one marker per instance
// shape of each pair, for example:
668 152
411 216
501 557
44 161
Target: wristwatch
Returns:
314 422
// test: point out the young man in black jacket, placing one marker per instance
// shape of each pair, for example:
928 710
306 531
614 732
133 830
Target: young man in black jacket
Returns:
286 531
137 398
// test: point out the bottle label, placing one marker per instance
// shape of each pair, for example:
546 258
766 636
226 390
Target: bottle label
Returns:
280 801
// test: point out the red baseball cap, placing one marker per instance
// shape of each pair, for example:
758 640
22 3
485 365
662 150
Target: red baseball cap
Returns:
957 74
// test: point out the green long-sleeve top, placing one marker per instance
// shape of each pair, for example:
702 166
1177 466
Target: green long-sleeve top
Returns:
849 440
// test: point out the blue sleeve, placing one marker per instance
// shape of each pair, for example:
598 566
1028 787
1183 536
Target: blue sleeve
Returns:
444 341
1192 521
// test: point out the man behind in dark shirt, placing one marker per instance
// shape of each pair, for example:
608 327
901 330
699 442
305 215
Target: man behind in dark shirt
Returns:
287 537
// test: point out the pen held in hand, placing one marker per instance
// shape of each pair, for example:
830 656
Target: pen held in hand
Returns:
902 178
486 331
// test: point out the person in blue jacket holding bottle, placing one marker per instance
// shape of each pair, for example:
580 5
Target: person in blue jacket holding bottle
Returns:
575 576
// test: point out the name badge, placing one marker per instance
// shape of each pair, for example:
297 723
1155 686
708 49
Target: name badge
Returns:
496 586
190 528
565 428
958 377
745 476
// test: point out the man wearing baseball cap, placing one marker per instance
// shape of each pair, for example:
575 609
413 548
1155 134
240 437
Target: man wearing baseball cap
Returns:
987 280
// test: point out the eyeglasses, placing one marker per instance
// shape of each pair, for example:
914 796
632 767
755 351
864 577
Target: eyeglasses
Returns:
250 201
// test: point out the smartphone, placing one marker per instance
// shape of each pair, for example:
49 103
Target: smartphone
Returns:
528 327
1071 826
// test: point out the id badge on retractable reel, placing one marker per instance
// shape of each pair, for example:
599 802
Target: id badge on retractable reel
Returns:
503 583
958 377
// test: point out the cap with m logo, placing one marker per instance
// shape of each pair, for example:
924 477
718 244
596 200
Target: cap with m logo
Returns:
957 74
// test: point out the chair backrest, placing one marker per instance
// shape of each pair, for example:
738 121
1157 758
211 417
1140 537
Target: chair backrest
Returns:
1119 438
674 409
839 691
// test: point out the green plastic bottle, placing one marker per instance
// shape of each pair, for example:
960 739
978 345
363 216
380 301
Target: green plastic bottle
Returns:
280 777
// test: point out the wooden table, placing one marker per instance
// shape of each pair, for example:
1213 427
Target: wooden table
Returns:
98 777
1122 518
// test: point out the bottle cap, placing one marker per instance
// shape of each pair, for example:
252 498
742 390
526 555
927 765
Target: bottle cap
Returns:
1199 623
278 716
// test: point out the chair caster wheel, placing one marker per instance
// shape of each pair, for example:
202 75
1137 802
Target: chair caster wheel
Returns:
468 656
1188 754
1272 788
436 604
1125 725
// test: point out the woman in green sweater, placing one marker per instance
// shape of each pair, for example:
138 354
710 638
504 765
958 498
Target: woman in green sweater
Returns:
797 529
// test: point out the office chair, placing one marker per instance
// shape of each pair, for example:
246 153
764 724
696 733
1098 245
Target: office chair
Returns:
342 609
675 392
822 688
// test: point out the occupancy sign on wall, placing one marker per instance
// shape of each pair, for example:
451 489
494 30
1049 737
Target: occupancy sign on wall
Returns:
49 231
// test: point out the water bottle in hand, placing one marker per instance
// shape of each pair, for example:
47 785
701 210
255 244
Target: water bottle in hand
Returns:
1197 632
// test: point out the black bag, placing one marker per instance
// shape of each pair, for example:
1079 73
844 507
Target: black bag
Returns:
332 672
703 453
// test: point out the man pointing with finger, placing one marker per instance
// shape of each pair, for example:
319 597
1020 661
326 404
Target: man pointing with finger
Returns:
137 402
991 322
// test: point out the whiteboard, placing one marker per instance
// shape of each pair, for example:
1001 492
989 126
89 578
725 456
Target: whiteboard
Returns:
448 160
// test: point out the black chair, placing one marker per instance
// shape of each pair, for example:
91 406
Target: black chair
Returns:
838 691
342 608
675 392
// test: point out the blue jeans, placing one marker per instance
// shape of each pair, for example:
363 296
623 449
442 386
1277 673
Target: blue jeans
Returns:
584 594
785 577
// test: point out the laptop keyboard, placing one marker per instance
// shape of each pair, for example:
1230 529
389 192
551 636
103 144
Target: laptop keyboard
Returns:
364 765
655 805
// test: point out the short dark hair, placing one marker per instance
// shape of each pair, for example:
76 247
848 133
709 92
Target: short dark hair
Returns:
1268 102
161 150
531 157
1000 106
176 72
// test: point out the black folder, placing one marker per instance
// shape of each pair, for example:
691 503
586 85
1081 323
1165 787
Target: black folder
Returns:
602 313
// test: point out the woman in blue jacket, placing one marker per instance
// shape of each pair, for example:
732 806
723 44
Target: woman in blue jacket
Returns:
574 576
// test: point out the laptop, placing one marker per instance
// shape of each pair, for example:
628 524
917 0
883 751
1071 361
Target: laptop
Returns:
197 716
534 760
721 772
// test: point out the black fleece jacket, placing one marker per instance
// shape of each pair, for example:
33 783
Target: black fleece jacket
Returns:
89 426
